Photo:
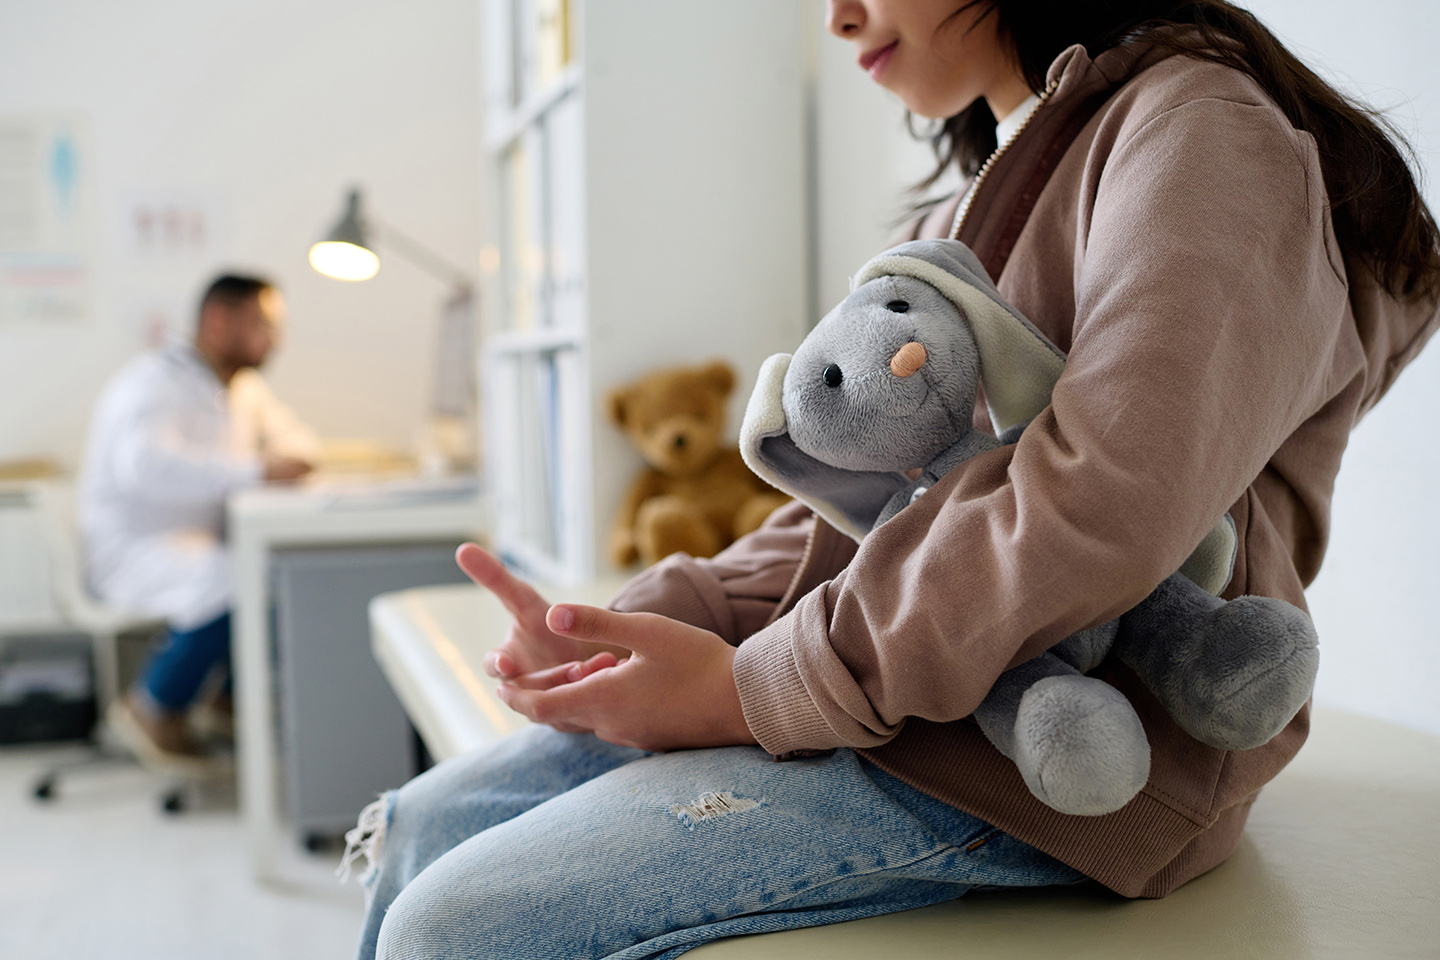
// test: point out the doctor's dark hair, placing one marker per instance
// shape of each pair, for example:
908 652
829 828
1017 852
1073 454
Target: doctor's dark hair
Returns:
1378 212
232 289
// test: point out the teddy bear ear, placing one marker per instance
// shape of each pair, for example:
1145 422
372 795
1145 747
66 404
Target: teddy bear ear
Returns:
719 375
616 400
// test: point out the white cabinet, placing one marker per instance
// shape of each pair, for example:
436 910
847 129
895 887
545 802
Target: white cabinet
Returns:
645 165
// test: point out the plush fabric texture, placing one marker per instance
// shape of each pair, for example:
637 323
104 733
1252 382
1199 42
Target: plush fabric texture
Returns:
1080 746
866 417
1019 366
1260 657
694 495
851 500
1076 740
887 381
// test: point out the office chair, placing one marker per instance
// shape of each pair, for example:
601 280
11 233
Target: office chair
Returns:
105 626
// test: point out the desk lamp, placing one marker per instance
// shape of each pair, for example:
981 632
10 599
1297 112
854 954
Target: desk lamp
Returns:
348 250
348 253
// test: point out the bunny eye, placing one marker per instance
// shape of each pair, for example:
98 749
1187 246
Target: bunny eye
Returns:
897 306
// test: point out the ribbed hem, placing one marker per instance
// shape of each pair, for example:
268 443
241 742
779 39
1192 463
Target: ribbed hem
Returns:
1133 851
777 707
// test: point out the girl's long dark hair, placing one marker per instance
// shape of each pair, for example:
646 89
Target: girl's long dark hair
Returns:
1378 212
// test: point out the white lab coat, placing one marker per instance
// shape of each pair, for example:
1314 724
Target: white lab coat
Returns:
168 444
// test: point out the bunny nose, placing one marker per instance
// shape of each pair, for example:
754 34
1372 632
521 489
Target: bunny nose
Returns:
907 359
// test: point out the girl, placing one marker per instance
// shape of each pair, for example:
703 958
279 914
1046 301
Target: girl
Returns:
1237 262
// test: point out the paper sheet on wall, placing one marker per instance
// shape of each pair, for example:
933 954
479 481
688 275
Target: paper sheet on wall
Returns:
169 238
47 220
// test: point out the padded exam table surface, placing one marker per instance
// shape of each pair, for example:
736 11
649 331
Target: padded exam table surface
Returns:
1340 859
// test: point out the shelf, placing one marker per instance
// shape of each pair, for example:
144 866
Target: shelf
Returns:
504 128
630 187
510 342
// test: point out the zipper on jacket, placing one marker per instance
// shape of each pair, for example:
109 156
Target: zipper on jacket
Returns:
985 168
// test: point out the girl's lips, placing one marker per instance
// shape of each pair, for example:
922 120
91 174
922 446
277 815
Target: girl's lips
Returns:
874 62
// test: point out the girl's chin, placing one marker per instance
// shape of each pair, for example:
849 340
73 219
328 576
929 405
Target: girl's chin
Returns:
929 109
925 107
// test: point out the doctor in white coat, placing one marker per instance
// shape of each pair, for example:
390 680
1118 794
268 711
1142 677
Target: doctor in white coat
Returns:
174 433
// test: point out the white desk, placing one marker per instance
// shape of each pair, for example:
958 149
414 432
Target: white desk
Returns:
1341 857
262 520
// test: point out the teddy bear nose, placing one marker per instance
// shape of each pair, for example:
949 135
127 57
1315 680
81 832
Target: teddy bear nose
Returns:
832 375
679 442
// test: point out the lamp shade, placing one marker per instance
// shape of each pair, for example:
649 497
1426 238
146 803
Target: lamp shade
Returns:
345 253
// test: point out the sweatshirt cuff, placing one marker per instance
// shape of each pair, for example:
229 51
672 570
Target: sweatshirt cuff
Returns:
676 588
777 706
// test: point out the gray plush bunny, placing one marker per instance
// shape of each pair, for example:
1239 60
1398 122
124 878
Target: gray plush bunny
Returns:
886 382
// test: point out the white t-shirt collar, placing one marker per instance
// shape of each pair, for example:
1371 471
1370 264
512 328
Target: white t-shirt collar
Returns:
1008 127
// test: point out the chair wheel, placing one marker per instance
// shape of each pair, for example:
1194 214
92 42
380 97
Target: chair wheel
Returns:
173 802
45 789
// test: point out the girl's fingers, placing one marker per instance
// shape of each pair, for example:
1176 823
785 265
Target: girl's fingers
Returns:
601 661
500 665
564 673
515 594
640 632
545 679
566 704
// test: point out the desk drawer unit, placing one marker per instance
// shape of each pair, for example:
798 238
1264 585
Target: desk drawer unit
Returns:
343 736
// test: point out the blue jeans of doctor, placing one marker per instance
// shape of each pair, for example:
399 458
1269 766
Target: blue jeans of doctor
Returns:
180 662
551 845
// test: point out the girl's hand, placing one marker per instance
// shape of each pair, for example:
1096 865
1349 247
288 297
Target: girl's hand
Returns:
529 645
674 690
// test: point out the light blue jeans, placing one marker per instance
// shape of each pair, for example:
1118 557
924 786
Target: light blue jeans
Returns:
554 845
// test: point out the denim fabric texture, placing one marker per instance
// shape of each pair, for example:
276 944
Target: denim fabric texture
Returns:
551 845
179 664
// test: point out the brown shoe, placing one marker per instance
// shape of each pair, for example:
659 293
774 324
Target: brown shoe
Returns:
214 721
157 736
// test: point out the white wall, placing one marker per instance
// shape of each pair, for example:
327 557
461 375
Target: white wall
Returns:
263 111
1380 641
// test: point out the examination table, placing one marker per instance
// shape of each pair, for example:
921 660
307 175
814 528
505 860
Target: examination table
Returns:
1341 857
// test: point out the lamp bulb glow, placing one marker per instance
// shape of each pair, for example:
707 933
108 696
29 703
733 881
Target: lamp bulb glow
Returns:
344 261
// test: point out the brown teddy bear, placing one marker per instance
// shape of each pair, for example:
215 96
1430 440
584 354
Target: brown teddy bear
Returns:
696 496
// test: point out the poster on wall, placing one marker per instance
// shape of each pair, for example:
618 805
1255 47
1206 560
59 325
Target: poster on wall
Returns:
169 237
47 221
171 227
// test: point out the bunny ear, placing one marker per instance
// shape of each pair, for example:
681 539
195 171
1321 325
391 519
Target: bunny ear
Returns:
849 500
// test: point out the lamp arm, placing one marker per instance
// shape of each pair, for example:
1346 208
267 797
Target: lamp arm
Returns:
421 256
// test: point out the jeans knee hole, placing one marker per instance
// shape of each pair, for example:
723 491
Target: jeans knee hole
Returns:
711 806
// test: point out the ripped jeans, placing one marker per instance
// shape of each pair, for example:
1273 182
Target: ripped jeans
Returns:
551 845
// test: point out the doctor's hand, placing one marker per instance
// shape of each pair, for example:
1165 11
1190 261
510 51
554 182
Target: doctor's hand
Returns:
282 469
529 645
672 687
